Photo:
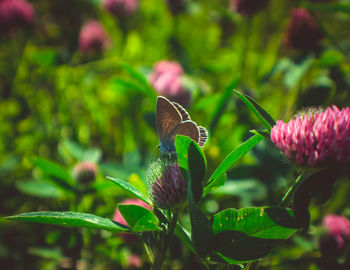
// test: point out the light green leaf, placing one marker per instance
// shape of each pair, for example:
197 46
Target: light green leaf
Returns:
263 116
40 188
217 177
70 219
139 218
131 189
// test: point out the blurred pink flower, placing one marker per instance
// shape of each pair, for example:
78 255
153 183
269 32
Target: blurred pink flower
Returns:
85 171
248 7
15 13
168 187
166 80
302 33
120 8
134 261
338 228
315 138
93 37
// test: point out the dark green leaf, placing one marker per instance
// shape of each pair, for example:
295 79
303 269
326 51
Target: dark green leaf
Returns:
70 219
139 218
129 188
335 7
201 230
197 168
217 179
251 233
317 186
264 117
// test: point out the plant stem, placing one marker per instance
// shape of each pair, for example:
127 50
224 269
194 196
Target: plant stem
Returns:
160 259
287 197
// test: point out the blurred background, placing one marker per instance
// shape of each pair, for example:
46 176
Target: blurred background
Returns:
78 87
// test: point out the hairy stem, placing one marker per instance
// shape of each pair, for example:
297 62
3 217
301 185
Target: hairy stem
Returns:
159 260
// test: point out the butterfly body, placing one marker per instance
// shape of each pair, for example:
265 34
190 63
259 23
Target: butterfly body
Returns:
173 119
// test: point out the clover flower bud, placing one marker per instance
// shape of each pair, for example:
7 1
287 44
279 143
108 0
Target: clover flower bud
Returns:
248 7
93 37
315 137
166 80
167 185
85 172
302 33
120 8
15 13
337 235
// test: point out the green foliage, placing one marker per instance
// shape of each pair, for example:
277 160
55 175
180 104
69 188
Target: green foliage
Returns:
129 188
201 231
60 106
139 218
40 188
218 177
263 116
70 219
251 233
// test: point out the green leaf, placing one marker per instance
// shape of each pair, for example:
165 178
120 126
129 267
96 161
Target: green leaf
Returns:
50 168
93 155
40 188
79 153
197 168
139 218
335 7
217 177
70 219
201 230
297 71
251 233
56 173
183 235
264 117
74 149
182 143
140 78
221 105
129 188
47 253
127 85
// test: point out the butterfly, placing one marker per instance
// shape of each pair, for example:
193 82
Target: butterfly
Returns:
173 119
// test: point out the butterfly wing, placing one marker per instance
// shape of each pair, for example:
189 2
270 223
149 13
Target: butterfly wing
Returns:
184 114
167 118
203 136
187 128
